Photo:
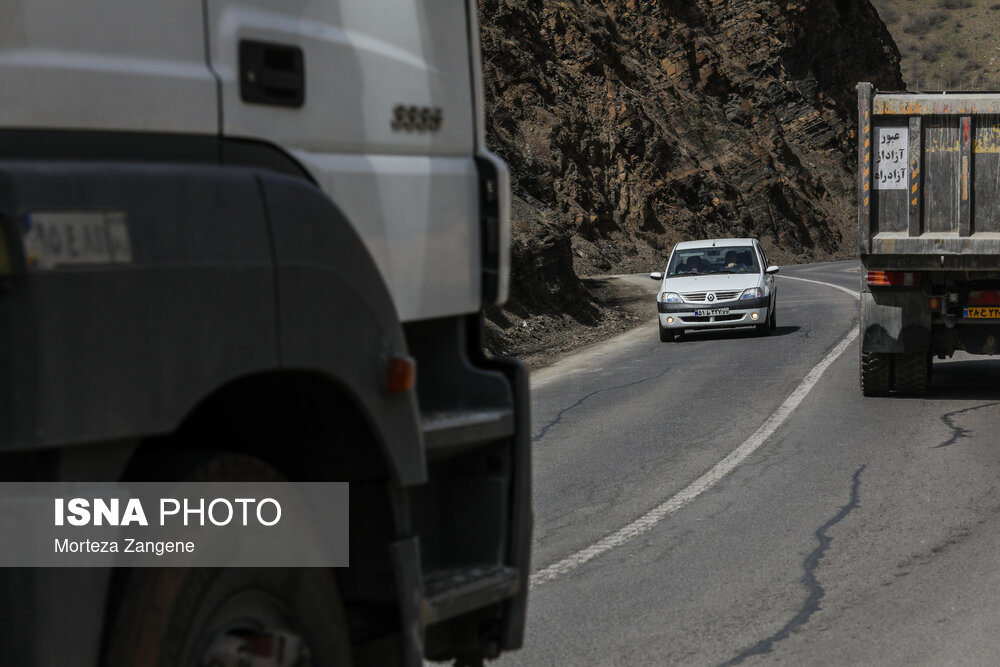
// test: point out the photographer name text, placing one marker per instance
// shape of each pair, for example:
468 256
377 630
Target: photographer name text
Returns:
126 546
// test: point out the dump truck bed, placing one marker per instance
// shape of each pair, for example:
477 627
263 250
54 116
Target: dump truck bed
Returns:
929 180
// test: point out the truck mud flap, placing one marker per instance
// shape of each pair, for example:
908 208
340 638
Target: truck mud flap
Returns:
895 322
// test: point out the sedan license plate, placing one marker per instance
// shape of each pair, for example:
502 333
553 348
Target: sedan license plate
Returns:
712 312
983 312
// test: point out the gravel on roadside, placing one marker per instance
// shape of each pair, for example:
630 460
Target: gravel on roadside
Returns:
624 303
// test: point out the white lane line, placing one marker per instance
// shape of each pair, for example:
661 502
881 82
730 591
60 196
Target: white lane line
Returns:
709 479
820 282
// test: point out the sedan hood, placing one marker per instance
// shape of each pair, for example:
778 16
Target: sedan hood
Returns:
711 283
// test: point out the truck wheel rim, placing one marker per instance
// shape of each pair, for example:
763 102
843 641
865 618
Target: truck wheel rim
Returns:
251 628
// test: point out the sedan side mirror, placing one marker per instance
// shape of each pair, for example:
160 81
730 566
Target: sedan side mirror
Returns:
772 269
656 275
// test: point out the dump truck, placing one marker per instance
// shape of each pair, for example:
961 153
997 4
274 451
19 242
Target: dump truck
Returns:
253 240
928 232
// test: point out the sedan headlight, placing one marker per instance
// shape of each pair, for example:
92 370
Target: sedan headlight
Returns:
670 297
752 293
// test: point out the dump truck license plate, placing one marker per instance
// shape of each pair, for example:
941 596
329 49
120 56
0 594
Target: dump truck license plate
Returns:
983 312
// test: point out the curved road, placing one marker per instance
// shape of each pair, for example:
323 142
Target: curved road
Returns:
729 499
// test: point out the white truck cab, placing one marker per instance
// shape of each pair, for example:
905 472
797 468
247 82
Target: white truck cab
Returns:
221 223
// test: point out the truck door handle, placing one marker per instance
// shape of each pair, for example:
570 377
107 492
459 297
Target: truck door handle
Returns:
272 74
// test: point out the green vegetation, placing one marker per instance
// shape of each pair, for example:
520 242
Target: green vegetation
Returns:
946 44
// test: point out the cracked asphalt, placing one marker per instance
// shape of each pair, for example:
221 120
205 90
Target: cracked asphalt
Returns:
863 531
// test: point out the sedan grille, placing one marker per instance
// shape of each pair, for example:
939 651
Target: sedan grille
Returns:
702 297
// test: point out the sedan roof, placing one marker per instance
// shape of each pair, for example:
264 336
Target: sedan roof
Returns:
708 243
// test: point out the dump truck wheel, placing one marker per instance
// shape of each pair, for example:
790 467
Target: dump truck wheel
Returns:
876 373
912 375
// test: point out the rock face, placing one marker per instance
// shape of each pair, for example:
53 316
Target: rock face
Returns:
630 125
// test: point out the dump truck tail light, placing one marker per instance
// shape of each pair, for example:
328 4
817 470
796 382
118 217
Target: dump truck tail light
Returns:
893 278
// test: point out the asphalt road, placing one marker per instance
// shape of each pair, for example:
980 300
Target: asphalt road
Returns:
839 530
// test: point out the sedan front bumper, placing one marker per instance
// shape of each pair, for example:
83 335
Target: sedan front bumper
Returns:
741 311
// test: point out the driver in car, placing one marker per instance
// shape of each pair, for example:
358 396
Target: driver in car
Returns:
696 264
733 262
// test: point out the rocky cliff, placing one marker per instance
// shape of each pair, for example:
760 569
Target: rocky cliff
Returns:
630 125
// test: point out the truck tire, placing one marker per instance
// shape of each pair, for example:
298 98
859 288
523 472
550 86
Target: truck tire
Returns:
912 375
191 617
876 373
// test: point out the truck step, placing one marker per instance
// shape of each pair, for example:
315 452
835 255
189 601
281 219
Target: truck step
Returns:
455 431
450 593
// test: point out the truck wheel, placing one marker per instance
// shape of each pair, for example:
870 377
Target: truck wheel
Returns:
216 617
912 372
666 335
876 373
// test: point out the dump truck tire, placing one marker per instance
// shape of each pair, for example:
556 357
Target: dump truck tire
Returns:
912 376
876 373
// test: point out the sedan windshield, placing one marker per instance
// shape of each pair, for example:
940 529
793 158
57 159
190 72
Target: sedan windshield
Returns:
721 259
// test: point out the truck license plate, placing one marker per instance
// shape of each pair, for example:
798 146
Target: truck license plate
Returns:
57 239
983 312
712 312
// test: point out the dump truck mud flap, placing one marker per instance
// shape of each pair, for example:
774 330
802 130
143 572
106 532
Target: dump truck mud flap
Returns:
897 321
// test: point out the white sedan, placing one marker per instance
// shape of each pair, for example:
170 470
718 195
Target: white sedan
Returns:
716 283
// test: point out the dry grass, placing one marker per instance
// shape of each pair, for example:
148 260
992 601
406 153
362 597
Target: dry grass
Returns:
946 44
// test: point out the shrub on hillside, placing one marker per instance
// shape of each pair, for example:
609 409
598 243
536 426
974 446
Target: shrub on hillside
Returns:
930 50
920 24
